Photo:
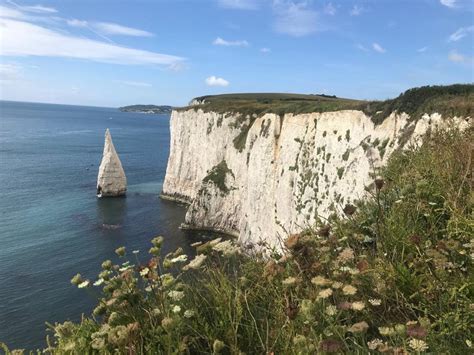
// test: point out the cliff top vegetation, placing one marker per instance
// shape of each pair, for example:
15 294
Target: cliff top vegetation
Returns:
452 100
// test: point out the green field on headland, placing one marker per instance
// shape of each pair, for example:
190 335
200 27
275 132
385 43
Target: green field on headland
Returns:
452 100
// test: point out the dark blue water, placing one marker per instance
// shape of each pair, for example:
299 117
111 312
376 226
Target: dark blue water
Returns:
51 223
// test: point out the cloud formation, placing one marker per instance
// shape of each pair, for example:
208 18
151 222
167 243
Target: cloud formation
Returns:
222 42
460 33
294 18
356 10
215 81
116 29
40 9
20 38
329 9
378 48
265 50
456 57
448 3
238 4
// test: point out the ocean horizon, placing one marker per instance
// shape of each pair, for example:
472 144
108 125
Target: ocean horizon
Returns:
53 226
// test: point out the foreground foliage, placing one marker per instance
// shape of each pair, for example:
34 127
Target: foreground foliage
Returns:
395 275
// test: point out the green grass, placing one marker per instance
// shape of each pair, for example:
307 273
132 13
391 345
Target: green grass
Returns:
449 100
396 276
217 176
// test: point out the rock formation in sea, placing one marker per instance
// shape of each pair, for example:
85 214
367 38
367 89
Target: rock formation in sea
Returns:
265 176
111 181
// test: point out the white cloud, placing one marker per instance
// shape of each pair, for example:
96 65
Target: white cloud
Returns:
294 18
215 81
456 57
19 38
135 83
10 13
77 23
421 50
461 33
222 42
361 47
116 29
448 3
265 50
10 71
238 4
378 48
356 10
34 8
330 9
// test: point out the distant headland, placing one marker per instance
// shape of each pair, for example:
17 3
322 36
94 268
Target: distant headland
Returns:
153 109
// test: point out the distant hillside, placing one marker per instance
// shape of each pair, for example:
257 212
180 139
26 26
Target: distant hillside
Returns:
147 109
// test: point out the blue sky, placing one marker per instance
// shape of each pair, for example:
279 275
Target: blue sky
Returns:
116 52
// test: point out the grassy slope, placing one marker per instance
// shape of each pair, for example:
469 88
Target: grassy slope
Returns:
395 276
451 100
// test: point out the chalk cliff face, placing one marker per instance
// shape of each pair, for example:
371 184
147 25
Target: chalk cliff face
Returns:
111 181
260 178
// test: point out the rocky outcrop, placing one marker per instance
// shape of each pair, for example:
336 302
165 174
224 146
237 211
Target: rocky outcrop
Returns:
111 181
262 178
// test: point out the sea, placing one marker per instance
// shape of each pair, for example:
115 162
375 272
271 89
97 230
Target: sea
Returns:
53 226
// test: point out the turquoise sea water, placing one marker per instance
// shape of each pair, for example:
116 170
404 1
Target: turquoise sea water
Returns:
51 223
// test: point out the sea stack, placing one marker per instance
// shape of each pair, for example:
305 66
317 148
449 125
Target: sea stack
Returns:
111 181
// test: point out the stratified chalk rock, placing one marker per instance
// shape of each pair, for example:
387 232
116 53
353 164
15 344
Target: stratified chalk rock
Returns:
111 181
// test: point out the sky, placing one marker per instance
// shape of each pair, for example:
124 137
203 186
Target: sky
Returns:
116 52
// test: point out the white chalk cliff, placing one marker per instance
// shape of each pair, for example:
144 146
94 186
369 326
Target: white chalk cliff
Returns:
269 176
111 181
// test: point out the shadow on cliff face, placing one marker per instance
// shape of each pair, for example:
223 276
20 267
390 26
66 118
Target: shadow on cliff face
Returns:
111 212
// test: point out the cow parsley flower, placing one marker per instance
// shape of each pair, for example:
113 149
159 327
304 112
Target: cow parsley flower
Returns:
179 259
418 345
189 313
375 302
358 306
196 262
144 272
290 281
349 290
176 295
320 281
176 309
327 292
359 327
99 282
331 310
375 343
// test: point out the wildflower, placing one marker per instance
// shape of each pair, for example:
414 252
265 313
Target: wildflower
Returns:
118 335
344 305
374 343
99 282
189 313
469 343
346 255
337 285
196 244
307 308
218 346
148 289
167 263
167 323
120 251
98 342
99 310
375 302
330 345
358 306
176 295
331 310
320 281
167 279
349 290
144 272
156 311
387 331
400 329
125 268
176 309
226 248
77 279
179 259
83 284
362 265
418 345
292 242
135 252
157 242
416 331
327 292
113 318
107 265
154 251
289 281
359 327
299 340
349 209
